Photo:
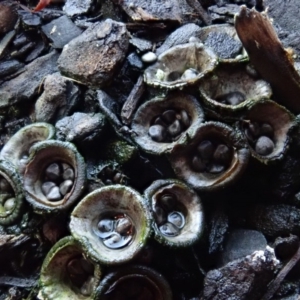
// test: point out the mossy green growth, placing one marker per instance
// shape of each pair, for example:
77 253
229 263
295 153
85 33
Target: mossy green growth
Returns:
120 151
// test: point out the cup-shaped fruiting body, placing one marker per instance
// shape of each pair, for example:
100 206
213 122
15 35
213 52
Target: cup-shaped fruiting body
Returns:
230 89
16 150
113 223
180 66
11 194
54 177
177 213
224 41
266 127
134 282
68 273
215 157
161 123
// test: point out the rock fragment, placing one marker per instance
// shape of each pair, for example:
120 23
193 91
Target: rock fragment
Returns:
58 99
26 85
156 10
244 278
9 67
61 31
80 127
93 57
77 7
240 243
223 14
141 45
179 36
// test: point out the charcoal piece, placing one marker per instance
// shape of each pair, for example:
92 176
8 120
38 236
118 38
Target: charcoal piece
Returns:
30 19
287 291
275 220
93 57
9 67
240 243
26 85
286 247
77 7
244 278
218 231
5 41
135 61
223 14
23 51
36 52
61 31
48 15
141 45
20 41
80 127
58 99
179 36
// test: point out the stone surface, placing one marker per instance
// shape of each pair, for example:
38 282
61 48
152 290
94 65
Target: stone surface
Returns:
61 31
285 16
26 85
240 243
179 36
77 7
224 13
58 99
141 44
93 57
80 127
157 10
223 45
245 278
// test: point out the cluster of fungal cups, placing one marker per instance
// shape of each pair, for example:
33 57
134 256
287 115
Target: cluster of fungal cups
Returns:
111 225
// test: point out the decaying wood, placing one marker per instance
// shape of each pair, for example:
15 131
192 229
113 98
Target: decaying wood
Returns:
8 241
275 284
268 56
145 26
130 104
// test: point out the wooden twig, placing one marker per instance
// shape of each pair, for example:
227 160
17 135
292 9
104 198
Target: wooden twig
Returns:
268 56
130 104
